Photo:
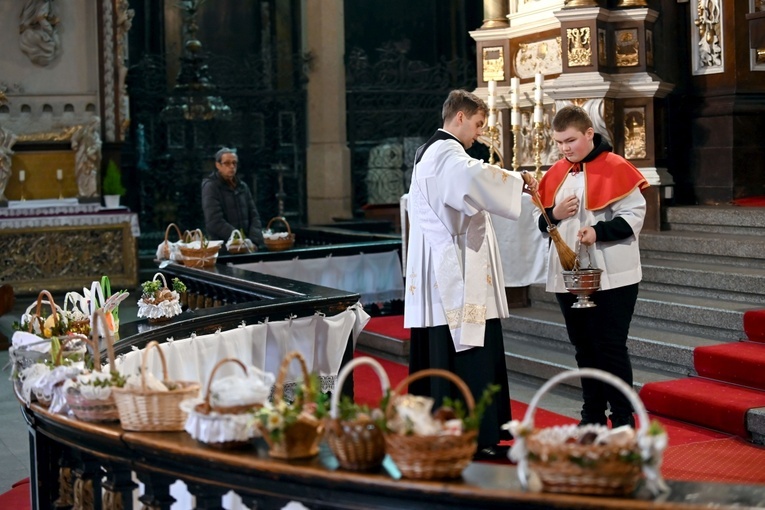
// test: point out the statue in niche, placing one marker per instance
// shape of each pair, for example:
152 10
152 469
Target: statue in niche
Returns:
86 142
38 33
7 139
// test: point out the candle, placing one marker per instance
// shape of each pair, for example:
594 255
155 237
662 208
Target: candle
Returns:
516 118
492 119
539 80
22 175
538 95
59 175
491 102
515 91
538 113
492 87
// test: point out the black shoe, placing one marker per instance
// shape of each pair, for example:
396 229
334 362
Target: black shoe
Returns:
498 452
619 420
593 419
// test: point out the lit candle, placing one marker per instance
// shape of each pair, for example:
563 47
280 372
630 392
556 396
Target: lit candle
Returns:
538 113
22 175
492 87
492 119
59 175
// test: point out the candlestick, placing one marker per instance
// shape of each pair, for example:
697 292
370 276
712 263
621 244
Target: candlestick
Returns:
516 142
60 179
491 101
59 175
538 112
22 178
539 143
492 87
22 175
492 119
539 80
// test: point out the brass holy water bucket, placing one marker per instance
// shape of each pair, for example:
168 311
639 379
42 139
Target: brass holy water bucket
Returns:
582 282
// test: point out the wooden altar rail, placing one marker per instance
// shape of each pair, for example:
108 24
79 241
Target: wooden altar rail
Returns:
90 451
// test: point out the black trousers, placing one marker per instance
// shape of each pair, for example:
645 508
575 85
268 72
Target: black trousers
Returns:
599 336
477 367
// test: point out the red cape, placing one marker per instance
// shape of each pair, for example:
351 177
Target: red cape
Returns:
607 178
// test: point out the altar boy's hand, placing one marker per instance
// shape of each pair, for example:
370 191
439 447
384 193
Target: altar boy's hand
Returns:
531 184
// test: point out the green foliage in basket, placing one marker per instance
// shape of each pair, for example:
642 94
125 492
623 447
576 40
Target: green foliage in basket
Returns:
276 418
179 286
114 379
473 422
151 287
348 410
49 327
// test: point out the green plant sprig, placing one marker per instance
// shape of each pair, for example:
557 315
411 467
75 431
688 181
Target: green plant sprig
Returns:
473 421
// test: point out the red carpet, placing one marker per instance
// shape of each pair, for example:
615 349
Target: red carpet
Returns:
750 201
18 497
754 325
738 363
730 460
388 325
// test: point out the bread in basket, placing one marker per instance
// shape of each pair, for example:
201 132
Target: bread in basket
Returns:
589 459
278 241
158 302
223 419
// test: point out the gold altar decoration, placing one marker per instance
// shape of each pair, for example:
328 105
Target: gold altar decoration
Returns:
493 63
632 3
492 129
579 47
580 3
627 46
62 258
494 14
634 133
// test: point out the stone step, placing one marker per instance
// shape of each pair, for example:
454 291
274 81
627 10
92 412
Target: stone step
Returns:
650 348
523 356
717 281
704 247
720 219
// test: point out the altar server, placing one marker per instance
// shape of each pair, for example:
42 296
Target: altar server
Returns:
594 196
455 295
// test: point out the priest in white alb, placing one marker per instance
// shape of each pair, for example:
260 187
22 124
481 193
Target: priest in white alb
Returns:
455 295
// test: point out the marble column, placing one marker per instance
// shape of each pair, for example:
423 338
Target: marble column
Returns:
328 172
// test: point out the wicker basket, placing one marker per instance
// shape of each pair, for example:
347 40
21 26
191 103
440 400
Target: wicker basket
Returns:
205 256
301 439
553 459
149 410
23 357
358 445
431 457
164 251
282 243
203 409
95 410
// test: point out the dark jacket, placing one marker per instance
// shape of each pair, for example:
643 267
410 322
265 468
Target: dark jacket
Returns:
227 209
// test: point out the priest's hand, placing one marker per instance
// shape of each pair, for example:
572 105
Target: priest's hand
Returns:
587 236
531 185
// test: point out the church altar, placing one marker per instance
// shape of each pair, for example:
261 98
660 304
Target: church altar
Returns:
63 244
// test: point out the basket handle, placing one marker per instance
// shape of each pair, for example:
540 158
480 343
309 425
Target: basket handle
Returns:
177 230
283 220
347 369
437 372
212 375
62 343
164 281
144 359
38 310
279 386
99 316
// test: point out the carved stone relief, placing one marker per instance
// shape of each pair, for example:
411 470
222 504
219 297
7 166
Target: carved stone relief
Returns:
7 139
579 47
86 142
539 57
38 32
708 37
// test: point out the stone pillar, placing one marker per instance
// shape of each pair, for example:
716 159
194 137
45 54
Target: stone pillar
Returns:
328 172
495 14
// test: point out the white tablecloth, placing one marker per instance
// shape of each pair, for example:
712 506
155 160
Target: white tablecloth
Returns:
522 247
376 277
68 220
320 339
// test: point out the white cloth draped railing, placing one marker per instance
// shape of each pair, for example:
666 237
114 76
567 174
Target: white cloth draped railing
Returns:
377 277
522 247
321 340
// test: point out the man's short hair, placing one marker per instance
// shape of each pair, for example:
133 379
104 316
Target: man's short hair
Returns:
462 101
571 116
221 152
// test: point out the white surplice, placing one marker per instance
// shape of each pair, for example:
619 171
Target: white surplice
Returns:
453 266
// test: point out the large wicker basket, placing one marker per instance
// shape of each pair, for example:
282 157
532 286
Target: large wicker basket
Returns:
281 244
431 457
151 410
92 409
555 460
205 256
358 444
165 250
301 439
